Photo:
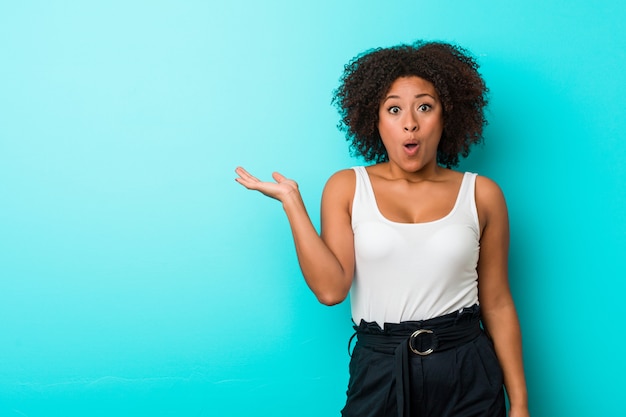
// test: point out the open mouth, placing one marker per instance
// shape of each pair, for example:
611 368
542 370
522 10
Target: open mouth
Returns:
411 148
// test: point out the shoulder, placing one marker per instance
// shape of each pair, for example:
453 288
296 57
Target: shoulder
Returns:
490 201
487 190
341 180
339 190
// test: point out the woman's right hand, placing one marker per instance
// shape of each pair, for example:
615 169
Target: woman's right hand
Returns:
279 190
327 263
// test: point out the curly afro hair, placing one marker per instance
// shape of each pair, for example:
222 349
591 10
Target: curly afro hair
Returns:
451 70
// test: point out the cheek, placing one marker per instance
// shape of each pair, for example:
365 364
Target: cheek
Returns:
436 127
385 127
385 134
381 129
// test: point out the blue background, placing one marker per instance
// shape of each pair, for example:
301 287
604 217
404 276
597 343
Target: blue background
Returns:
138 279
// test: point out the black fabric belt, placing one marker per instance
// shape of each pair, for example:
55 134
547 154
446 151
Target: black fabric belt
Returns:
418 338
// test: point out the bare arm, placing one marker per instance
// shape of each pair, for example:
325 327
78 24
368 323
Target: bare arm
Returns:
498 310
326 261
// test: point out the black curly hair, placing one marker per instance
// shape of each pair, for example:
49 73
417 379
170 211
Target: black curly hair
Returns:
452 71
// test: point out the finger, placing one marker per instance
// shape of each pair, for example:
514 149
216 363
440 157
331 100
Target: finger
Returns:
245 176
243 173
246 179
278 177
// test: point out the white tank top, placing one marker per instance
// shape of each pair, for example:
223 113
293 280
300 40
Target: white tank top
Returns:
413 271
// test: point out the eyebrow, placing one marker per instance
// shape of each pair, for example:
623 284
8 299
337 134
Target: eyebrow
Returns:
417 96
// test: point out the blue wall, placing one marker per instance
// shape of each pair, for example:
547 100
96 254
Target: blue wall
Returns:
138 279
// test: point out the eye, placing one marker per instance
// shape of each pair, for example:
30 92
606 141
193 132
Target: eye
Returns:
424 107
394 109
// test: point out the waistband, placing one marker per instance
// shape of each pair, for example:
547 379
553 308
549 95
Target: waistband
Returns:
418 338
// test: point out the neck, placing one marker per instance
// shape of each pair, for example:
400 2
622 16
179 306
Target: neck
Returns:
427 173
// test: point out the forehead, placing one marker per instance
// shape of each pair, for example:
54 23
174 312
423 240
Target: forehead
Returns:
411 86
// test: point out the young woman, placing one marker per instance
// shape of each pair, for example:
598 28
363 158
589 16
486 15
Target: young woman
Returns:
421 248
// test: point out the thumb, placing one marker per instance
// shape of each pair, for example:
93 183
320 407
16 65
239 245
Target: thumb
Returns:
278 177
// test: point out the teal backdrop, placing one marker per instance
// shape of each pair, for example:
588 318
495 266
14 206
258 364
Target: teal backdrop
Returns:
138 279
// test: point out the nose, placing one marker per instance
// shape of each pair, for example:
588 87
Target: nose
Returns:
410 123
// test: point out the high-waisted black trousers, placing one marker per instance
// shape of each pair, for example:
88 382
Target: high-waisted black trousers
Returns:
460 378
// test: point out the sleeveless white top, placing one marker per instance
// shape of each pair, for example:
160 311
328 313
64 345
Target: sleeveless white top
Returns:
413 271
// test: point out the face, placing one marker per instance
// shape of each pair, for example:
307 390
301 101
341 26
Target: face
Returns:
410 123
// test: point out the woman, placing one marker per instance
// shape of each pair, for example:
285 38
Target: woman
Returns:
421 248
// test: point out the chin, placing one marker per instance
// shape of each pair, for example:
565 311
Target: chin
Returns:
412 166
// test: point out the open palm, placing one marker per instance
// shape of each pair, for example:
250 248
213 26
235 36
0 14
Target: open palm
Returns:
277 190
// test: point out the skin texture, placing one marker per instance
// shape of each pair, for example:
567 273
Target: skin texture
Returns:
410 187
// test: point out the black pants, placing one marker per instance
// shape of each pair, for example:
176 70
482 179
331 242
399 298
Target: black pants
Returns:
456 380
